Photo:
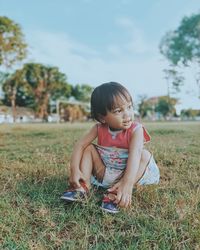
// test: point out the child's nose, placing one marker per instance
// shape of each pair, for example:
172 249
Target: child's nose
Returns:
126 113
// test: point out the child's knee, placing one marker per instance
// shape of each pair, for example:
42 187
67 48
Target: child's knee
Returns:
89 149
145 157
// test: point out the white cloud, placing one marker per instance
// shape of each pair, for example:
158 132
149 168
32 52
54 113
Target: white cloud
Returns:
137 43
83 64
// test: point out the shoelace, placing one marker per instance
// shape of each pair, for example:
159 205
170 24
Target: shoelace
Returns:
106 199
84 186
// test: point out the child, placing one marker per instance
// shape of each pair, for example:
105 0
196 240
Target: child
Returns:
118 161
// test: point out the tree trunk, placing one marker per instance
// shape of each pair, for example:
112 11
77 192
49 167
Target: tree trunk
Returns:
43 108
13 103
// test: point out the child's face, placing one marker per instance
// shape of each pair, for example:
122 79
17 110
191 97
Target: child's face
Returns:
121 116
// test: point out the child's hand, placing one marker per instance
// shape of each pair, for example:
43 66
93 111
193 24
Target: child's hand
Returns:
75 178
123 193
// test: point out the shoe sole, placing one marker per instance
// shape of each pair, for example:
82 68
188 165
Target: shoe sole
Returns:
67 199
110 211
72 199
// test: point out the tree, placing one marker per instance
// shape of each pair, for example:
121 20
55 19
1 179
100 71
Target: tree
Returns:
182 46
174 80
10 85
35 84
165 106
12 44
144 106
82 92
12 50
190 113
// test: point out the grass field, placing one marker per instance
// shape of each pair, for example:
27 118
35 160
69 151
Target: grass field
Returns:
34 162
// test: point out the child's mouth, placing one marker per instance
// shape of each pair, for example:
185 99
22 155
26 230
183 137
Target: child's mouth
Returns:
126 123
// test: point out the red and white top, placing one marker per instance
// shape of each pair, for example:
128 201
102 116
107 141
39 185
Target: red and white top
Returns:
119 139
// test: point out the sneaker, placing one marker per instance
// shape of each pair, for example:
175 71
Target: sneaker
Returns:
75 194
109 206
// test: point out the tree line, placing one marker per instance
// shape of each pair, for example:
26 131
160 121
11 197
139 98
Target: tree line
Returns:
35 84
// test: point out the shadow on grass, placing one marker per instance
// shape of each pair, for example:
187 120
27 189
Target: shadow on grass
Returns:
48 191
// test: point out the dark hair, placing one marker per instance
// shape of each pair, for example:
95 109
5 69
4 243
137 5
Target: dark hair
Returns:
103 98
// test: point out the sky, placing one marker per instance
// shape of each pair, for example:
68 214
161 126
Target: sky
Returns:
98 41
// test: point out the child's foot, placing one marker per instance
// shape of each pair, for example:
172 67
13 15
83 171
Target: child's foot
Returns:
77 194
108 205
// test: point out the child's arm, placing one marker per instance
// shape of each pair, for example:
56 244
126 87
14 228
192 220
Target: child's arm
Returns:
77 153
125 185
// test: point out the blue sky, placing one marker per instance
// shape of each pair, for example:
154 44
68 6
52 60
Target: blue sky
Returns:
96 41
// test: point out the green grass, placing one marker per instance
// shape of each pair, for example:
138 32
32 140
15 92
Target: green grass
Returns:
34 167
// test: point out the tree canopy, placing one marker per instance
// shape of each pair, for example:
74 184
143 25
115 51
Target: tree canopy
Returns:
144 106
12 45
164 105
183 44
34 85
181 47
82 92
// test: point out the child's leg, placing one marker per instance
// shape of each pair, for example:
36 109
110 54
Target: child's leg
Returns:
91 163
145 158
148 172
108 205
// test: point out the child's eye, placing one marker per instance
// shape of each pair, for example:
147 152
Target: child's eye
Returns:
117 111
